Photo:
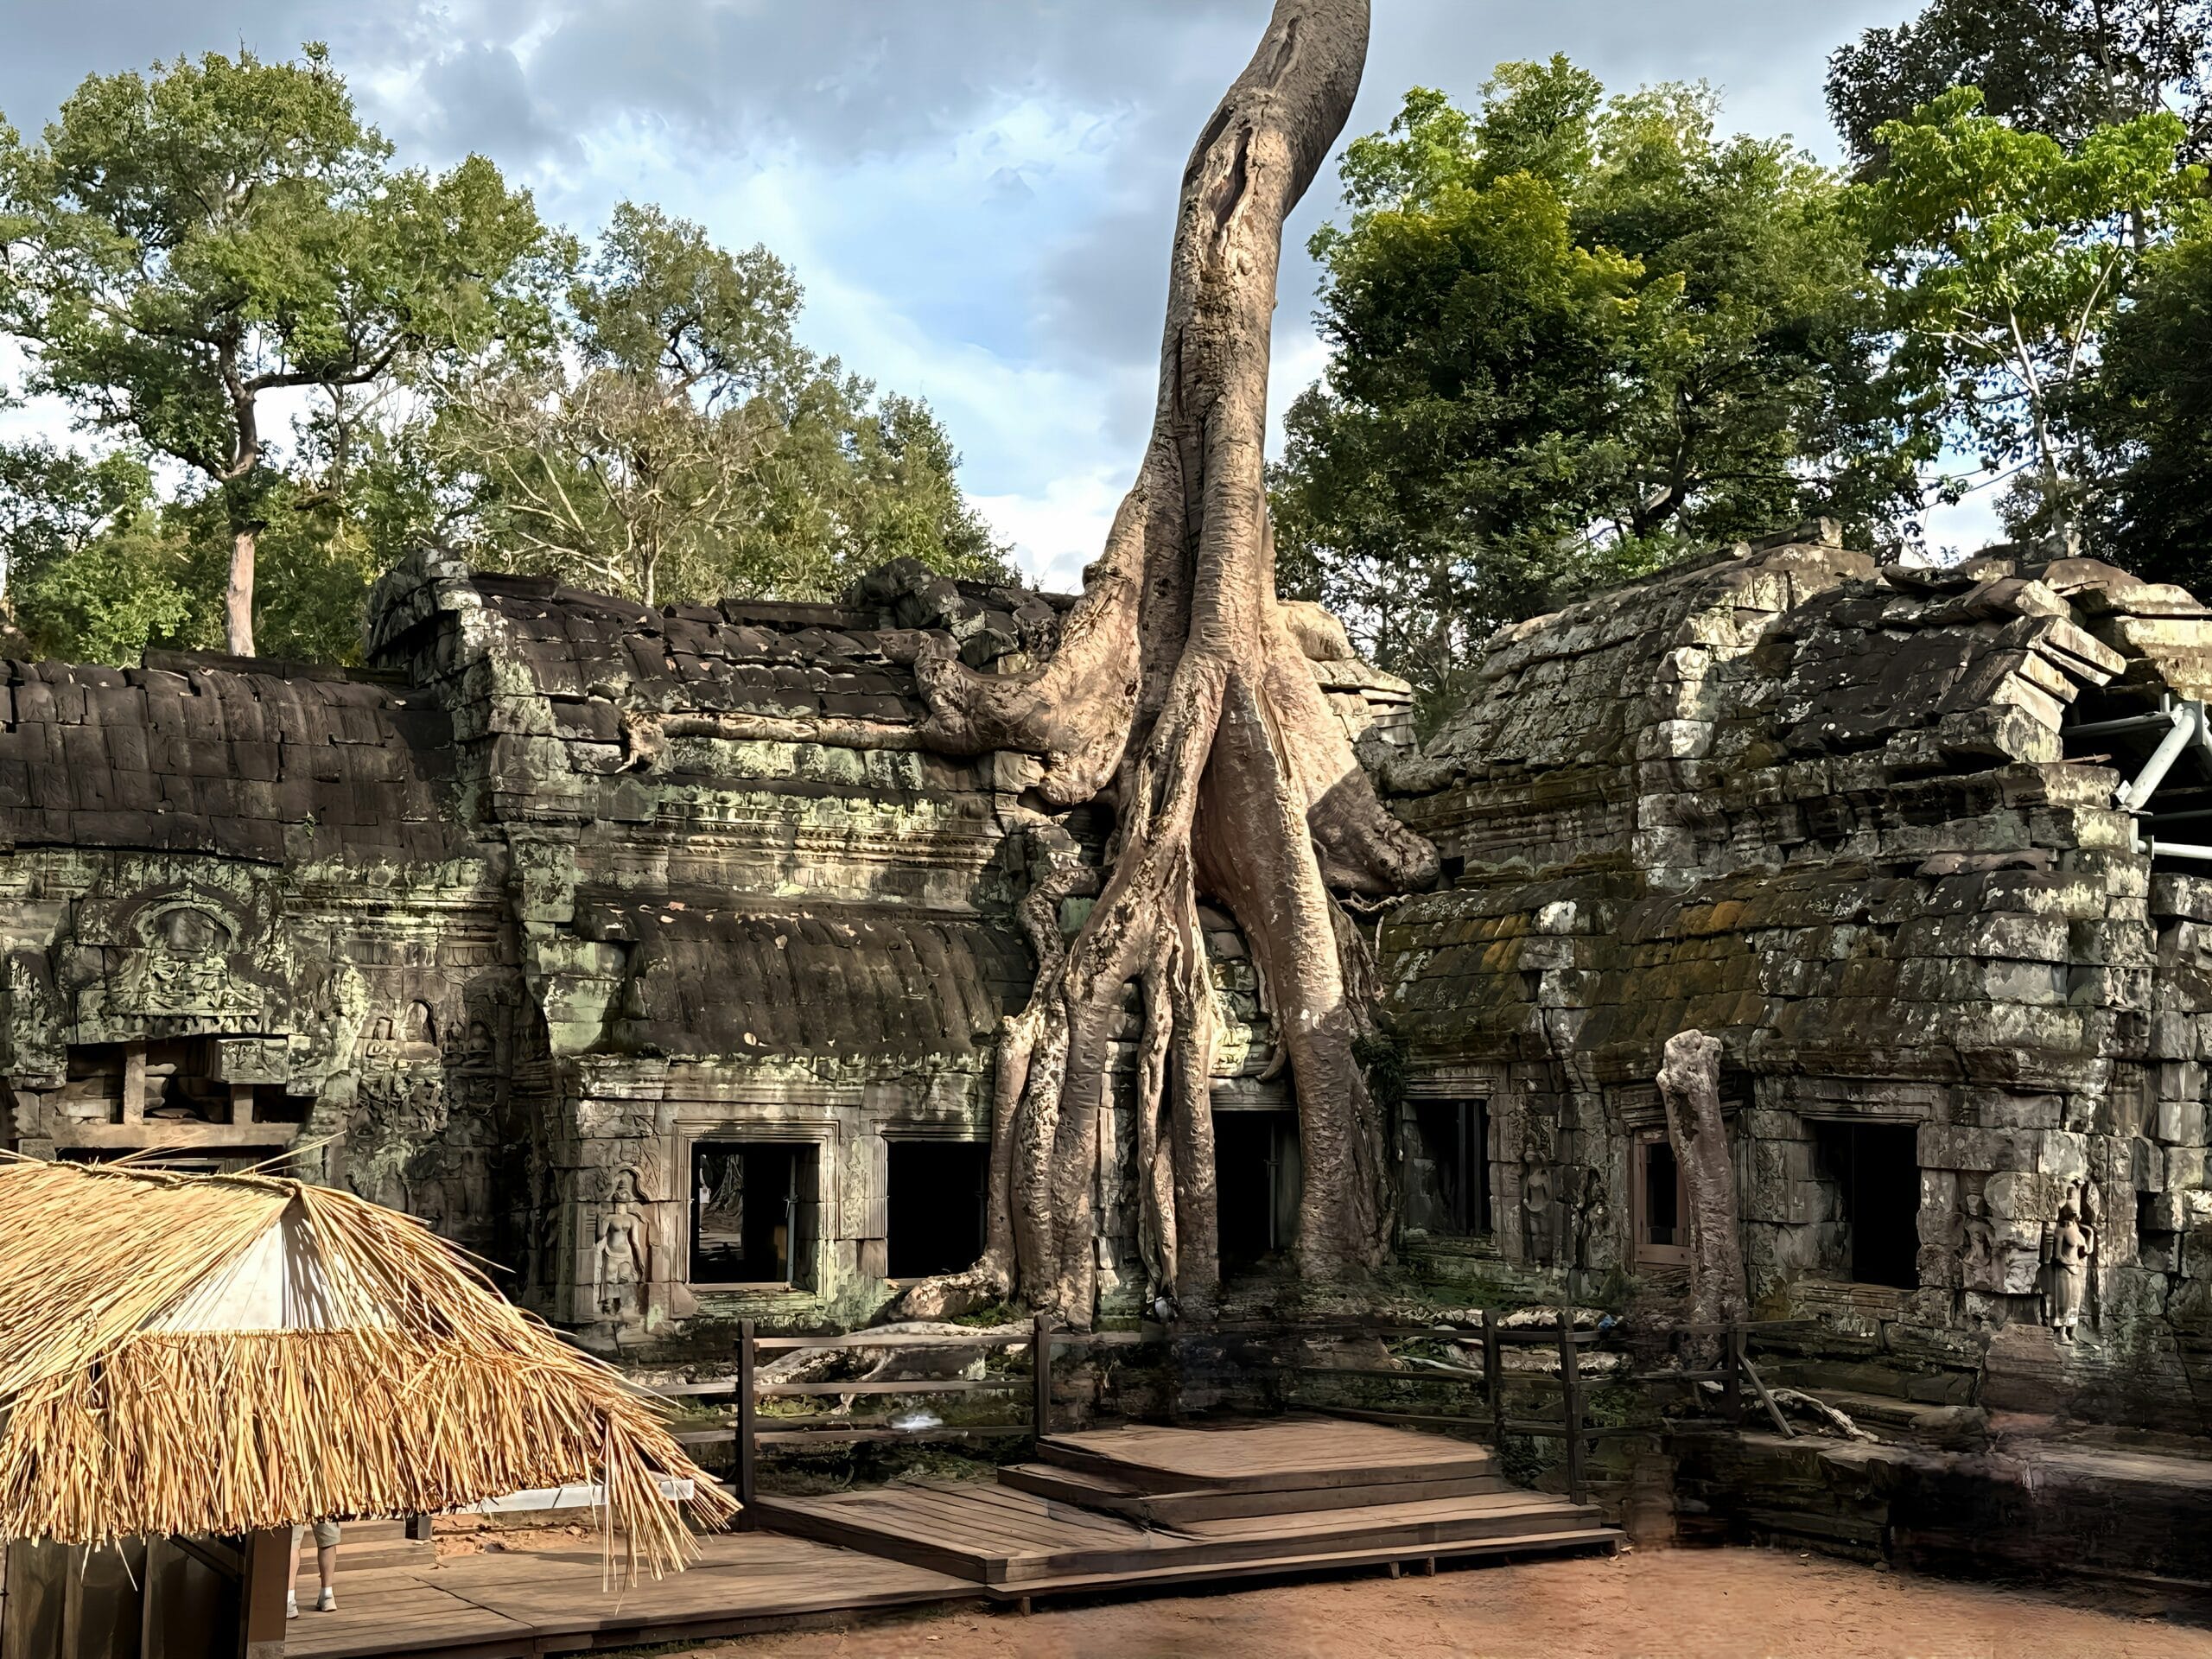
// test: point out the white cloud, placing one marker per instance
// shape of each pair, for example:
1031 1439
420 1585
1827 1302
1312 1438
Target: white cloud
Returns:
976 193
1061 529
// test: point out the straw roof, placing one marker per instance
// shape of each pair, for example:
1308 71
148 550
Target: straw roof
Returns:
225 1353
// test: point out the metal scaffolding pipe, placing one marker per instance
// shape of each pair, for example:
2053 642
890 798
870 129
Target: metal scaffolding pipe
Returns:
2128 723
2188 726
2178 849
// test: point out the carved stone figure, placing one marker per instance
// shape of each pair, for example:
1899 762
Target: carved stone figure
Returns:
1978 1244
1587 1211
1537 1221
2072 1244
622 1257
185 968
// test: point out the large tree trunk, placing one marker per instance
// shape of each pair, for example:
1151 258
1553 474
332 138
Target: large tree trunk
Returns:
1689 1086
1181 695
238 594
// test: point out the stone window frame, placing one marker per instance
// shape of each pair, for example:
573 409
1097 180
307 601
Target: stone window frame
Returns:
822 1138
1486 1085
939 1132
1642 1252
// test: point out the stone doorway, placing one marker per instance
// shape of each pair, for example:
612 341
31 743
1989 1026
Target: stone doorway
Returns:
936 1205
1256 1174
753 1205
1873 1169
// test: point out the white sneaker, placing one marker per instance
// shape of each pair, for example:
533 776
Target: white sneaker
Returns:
291 1605
326 1602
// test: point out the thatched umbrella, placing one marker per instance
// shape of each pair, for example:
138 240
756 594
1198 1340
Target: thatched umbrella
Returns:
229 1354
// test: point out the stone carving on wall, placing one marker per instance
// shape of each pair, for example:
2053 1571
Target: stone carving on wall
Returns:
1537 1219
399 1120
184 967
1977 1243
2070 1255
1587 1212
622 1256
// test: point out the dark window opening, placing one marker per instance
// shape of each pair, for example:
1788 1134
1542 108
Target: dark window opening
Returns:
1663 1208
174 1080
753 1212
1257 1175
1662 1219
935 1205
1875 1169
1450 1167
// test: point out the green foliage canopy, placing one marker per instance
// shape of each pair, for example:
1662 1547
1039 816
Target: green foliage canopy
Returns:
2149 411
2006 255
2063 67
183 244
687 446
1569 336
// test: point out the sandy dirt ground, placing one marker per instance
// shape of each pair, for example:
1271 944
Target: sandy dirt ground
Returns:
1731 1604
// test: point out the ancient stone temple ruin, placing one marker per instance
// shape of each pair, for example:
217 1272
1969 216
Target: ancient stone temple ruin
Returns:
1916 846
642 952
645 953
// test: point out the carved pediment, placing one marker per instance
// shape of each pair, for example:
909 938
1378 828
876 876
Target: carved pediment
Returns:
183 963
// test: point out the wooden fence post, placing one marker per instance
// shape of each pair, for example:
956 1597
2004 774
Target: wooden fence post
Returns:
744 1412
1040 1372
1731 1386
1494 1378
1570 1376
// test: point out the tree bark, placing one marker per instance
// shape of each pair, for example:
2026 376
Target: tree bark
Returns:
1181 696
1690 1087
238 594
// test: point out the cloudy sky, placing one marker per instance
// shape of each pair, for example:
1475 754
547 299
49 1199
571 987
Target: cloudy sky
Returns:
976 193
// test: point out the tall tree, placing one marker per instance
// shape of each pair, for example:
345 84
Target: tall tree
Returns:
1181 692
2063 67
1572 335
2149 410
686 446
2006 255
183 245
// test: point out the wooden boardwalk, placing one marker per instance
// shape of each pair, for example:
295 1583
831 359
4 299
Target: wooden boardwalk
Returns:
528 1602
1121 1509
1128 1506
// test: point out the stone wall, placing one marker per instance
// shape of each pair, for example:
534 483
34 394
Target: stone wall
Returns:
1834 815
501 929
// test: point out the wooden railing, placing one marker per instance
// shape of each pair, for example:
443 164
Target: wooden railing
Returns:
747 1391
1489 1383
1733 1372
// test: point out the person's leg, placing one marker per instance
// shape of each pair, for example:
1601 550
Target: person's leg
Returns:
292 1581
326 1565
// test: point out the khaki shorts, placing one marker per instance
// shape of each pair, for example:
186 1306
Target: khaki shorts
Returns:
326 1535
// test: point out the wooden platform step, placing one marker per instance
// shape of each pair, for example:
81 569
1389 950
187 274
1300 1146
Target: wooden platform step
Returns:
1117 1495
999 1535
1595 1541
1280 1454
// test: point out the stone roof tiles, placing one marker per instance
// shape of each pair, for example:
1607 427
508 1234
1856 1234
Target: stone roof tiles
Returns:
217 756
807 981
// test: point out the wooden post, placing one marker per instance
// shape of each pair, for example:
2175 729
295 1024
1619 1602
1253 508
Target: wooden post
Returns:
744 1408
1494 1377
1731 1386
1570 1376
262 1589
1040 1372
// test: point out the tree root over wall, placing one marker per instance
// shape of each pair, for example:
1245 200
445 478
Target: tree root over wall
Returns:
1181 696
